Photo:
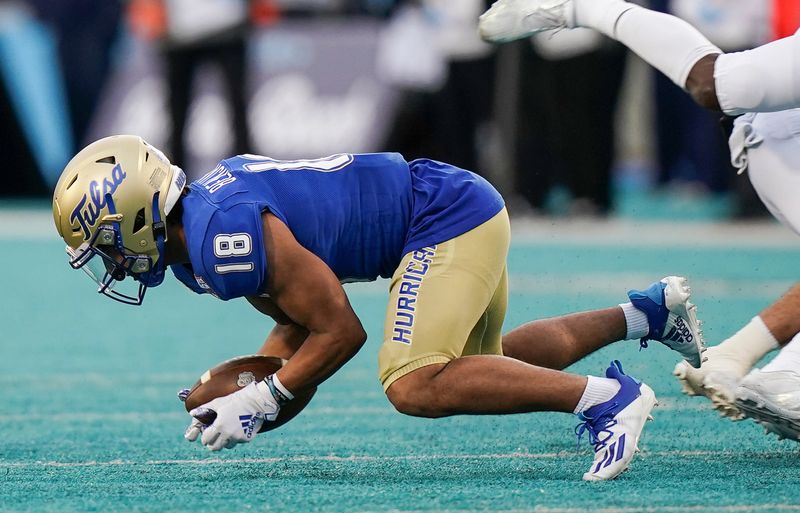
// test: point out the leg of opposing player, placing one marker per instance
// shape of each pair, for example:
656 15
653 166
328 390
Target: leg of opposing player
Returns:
668 43
766 146
763 79
730 361
765 395
758 80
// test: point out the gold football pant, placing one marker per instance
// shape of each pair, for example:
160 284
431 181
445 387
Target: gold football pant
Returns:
447 301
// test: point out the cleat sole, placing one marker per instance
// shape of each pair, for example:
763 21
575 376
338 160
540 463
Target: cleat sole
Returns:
773 422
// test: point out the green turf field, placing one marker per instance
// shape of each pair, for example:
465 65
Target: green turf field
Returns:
90 421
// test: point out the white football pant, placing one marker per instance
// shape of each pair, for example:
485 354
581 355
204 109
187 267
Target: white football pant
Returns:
764 79
767 145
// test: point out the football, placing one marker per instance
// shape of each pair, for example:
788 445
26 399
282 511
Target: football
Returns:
236 373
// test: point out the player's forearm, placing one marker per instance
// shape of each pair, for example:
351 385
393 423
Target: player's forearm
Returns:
284 340
319 357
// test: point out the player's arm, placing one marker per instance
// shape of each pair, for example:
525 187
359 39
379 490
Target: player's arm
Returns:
306 289
286 337
268 307
284 340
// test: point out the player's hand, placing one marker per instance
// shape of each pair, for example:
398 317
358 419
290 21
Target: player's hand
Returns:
205 417
235 418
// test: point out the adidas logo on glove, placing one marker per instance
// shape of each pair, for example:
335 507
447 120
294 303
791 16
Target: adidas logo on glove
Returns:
249 424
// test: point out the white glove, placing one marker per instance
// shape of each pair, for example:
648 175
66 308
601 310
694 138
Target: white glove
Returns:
239 417
206 418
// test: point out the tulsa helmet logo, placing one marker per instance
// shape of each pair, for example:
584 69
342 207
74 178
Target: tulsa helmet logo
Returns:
87 214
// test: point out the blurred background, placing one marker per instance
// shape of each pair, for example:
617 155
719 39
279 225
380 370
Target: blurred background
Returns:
597 156
565 125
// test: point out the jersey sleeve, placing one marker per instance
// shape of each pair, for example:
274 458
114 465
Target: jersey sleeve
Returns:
234 259
186 277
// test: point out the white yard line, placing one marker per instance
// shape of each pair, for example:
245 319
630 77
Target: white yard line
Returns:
71 379
705 508
352 458
665 404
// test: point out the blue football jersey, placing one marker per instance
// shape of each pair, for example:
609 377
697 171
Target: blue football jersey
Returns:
359 213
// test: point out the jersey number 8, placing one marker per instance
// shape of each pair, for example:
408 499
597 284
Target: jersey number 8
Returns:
233 245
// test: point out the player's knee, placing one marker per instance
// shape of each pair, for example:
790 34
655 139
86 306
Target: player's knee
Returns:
414 395
705 95
408 404
511 347
700 83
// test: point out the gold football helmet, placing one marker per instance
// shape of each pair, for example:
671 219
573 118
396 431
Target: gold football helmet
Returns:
110 207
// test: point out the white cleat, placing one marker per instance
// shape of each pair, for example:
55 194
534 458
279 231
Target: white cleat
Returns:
773 400
507 20
615 426
615 457
691 379
716 379
720 388
671 317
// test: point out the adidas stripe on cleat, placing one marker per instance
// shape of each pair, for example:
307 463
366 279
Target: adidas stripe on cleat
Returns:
614 452
671 317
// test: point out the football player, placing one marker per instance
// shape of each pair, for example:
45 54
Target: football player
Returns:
764 80
286 234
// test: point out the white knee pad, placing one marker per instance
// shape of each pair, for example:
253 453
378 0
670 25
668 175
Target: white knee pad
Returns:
767 145
765 79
